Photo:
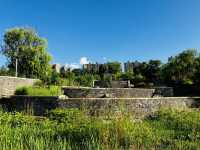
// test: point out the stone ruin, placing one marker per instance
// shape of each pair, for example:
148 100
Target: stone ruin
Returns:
120 89
97 100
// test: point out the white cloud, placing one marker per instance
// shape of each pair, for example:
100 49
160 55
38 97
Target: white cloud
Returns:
73 66
84 60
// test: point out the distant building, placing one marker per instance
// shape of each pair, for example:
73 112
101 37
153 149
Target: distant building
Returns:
106 67
63 68
91 68
130 66
56 67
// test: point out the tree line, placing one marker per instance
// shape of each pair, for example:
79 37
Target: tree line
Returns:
33 61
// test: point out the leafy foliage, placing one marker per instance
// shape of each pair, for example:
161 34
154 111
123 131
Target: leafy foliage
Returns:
25 45
114 67
85 79
4 71
182 67
153 71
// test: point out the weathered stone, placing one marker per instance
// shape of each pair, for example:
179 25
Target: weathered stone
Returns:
63 97
8 85
138 107
84 92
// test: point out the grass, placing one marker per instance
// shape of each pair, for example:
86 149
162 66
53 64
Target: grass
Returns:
73 129
39 91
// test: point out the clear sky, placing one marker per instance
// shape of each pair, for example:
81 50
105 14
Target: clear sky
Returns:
107 30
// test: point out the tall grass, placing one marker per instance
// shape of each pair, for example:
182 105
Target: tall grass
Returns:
73 129
39 91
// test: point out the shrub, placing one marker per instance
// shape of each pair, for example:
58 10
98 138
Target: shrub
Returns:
85 80
22 91
39 83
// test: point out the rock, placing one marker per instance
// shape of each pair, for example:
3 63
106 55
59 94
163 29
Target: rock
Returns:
62 97
106 95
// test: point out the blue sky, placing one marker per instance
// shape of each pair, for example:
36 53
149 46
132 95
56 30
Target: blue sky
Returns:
107 30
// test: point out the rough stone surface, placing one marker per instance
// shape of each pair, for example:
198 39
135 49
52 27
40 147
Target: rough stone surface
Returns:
139 107
112 84
8 85
81 92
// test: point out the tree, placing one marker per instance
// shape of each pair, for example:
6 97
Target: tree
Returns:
29 49
70 76
140 68
55 78
153 71
196 77
85 79
114 67
102 71
126 76
182 67
4 71
77 72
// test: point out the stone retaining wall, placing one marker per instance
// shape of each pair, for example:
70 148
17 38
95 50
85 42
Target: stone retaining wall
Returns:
138 107
112 84
81 92
8 85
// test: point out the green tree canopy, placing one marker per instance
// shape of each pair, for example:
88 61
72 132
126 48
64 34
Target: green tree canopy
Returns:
102 71
153 71
114 67
182 67
30 50
4 71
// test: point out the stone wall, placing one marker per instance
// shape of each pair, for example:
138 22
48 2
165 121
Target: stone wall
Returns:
81 92
8 85
139 107
112 84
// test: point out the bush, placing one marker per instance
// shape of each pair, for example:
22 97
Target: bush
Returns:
85 80
22 91
39 83
188 82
